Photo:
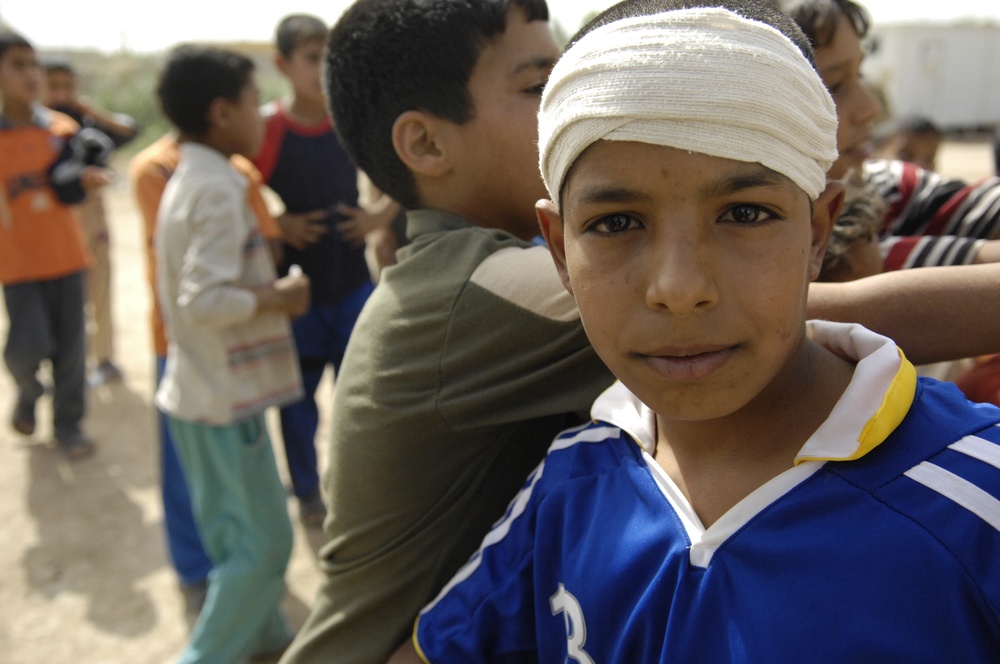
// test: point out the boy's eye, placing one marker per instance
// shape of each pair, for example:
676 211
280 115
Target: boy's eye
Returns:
614 223
747 214
536 90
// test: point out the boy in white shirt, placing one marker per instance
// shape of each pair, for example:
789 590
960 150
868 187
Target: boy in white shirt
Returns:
231 354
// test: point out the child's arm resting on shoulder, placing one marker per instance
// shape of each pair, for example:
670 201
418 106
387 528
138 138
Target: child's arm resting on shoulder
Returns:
935 314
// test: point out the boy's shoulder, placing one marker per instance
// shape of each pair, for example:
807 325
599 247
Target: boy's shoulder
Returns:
940 471
458 259
204 175
53 122
58 124
938 420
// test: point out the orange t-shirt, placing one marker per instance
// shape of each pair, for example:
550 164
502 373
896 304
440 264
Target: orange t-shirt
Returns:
40 236
149 171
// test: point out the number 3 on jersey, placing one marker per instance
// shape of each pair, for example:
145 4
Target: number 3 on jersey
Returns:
576 627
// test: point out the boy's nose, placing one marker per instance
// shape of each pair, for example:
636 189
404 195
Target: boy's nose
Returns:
866 105
682 277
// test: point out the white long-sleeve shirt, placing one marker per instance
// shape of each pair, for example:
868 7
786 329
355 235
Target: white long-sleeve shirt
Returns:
226 359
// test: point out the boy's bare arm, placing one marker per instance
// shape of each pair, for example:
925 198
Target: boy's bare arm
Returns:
935 314
93 178
989 252
116 122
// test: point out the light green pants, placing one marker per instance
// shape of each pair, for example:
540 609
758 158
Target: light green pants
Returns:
239 506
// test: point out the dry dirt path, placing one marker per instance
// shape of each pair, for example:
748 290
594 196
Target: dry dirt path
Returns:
83 571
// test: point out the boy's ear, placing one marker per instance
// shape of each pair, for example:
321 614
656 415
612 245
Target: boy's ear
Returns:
416 137
825 210
280 63
218 113
550 222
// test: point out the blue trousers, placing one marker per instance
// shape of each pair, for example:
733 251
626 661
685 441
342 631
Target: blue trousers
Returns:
321 336
47 322
239 505
183 541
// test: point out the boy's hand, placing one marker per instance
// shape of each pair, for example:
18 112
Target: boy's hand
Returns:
93 178
301 230
293 292
359 223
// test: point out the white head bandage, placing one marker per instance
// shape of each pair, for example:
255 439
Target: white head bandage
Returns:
704 80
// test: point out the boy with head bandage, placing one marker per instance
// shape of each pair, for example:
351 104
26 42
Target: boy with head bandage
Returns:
755 487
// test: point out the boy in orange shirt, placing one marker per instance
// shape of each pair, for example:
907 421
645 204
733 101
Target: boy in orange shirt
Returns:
42 253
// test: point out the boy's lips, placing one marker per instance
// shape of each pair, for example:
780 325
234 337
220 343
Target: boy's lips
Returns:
688 363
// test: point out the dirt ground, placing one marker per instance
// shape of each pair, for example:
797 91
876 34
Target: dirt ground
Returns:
84 575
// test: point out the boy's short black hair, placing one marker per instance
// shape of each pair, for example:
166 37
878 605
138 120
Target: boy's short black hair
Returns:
10 39
386 57
860 220
195 76
59 66
297 29
819 18
906 124
755 10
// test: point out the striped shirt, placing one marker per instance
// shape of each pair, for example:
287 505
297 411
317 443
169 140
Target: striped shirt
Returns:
932 220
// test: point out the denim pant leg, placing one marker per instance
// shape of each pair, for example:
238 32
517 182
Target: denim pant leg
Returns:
299 422
183 541
69 357
241 511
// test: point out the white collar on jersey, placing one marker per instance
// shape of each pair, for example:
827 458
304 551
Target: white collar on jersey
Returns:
875 402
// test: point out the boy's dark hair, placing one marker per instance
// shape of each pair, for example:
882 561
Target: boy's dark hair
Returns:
860 219
907 124
297 29
10 39
386 57
194 77
819 18
755 10
60 67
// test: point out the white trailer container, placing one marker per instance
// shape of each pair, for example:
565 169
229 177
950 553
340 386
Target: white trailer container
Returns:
947 73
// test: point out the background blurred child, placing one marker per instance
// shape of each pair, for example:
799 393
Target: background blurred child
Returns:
302 160
62 94
912 138
42 252
149 172
230 353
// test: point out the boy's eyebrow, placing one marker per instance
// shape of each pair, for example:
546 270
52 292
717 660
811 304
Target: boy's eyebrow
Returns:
602 194
761 177
539 62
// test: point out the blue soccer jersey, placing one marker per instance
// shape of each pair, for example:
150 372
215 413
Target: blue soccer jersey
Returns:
879 545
